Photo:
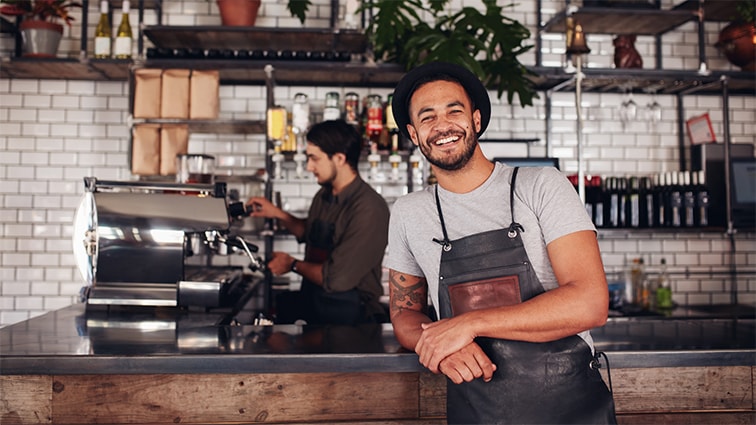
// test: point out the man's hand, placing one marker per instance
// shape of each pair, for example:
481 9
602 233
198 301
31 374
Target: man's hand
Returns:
440 339
261 207
280 263
467 364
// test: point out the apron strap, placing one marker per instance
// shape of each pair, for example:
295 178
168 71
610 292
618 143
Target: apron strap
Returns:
446 243
514 227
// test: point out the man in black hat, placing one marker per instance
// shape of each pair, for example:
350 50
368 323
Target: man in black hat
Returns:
510 261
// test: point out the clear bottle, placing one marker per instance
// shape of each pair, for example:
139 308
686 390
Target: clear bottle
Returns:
635 284
124 37
664 290
103 33
300 113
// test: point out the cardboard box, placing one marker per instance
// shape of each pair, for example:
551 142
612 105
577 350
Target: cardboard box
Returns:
174 99
203 95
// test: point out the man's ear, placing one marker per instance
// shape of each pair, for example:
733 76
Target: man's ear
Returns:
476 120
339 158
412 134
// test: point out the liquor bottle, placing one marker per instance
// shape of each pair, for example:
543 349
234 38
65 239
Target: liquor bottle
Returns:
103 33
300 119
675 201
633 206
701 213
392 127
689 199
647 203
664 289
660 201
598 201
374 125
612 203
623 197
122 48
634 283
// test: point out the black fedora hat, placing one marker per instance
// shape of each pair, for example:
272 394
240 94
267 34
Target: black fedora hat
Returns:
436 71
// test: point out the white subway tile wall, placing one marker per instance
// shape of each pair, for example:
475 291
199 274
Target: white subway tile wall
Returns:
53 133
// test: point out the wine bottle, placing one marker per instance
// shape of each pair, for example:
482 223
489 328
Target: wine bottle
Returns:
689 199
103 33
123 36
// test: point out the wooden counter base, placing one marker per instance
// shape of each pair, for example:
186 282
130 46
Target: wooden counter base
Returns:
680 395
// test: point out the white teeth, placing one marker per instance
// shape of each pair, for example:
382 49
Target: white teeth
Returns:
447 140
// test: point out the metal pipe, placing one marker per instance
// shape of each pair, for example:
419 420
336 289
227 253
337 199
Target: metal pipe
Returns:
728 188
579 111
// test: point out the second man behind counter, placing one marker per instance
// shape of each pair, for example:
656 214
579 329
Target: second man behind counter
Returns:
345 235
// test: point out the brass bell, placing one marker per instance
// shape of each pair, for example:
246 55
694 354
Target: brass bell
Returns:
577 44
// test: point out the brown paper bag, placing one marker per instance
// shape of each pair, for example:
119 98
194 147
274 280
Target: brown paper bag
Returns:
174 99
174 140
203 95
147 84
145 150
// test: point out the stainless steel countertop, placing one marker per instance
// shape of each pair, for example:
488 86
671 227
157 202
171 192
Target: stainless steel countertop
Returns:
76 341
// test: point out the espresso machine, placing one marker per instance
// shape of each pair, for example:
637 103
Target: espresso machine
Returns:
152 244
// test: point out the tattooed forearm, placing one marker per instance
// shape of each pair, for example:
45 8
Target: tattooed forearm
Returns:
403 294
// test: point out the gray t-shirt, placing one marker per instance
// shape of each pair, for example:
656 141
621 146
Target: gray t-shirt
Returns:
546 205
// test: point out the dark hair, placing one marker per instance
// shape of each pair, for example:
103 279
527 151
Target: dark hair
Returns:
337 136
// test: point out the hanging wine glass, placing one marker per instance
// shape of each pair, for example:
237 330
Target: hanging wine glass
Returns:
628 109
653 111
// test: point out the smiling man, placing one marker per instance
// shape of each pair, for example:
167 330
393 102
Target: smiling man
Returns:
345 236
510 261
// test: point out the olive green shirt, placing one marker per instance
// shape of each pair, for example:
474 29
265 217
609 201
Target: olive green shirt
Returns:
348 233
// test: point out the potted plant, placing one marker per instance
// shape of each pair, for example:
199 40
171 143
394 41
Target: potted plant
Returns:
238 13
737 40
40 28
488 43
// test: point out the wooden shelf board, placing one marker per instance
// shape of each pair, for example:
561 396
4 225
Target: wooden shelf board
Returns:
65 69
255 38
219 126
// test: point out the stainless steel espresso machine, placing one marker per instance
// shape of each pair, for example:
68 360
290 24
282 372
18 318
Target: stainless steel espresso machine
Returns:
152 244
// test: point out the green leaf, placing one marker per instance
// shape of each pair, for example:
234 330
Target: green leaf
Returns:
299 8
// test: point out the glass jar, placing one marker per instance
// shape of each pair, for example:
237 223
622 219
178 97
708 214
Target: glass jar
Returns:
331 110
352 109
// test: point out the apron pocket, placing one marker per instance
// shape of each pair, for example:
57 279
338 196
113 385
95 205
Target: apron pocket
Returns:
483 294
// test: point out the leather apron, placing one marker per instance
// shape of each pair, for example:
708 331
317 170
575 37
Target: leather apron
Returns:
555 382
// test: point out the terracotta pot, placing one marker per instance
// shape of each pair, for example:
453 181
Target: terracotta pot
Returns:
238 13
737 41
40 38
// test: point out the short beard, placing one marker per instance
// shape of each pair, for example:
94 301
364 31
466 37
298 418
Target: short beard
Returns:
451 163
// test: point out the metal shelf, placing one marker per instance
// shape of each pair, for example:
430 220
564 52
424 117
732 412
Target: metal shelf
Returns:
616 20
713 10
610 80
